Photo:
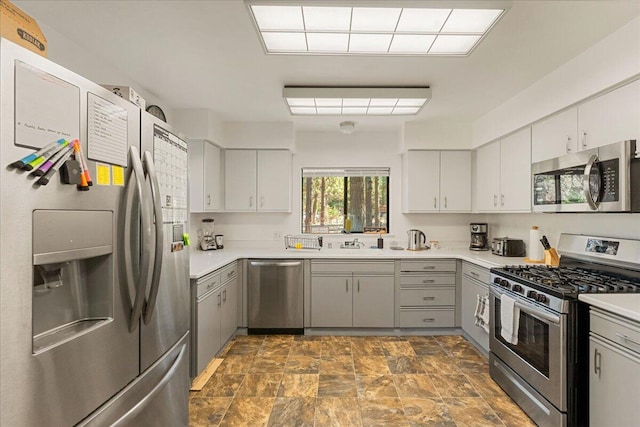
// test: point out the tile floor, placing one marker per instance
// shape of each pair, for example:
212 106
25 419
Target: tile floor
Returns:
353 381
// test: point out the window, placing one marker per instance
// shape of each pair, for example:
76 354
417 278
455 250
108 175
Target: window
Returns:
345 200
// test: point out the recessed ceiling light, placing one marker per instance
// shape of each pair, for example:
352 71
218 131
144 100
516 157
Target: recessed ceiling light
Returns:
321 30
355 100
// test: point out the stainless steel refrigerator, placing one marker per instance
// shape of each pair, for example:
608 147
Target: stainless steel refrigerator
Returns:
94 285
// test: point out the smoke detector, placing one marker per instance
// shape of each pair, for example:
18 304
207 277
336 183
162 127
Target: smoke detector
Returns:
347 127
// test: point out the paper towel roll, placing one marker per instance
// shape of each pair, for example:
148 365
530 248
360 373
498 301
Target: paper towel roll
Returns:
536 251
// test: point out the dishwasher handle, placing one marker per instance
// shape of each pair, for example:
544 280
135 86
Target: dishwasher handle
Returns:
275 263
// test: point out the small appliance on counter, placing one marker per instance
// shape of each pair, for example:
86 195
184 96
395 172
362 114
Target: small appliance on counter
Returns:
479 236
417 240
207 238
219 241
504 246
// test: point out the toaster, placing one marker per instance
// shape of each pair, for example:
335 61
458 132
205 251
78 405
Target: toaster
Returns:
504 246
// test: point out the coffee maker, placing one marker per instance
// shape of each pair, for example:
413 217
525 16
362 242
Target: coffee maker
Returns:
479 237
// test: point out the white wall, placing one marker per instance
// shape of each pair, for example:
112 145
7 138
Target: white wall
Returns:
333 149
610 61
437 135
552 225
200 123
259 135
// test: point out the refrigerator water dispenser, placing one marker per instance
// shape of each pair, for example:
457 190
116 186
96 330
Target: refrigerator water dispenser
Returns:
73 275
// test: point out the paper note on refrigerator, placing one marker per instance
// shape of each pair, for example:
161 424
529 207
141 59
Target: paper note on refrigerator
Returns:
47 108
106 131
170 158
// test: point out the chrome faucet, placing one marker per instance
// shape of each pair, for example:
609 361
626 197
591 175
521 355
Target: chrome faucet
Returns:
354 244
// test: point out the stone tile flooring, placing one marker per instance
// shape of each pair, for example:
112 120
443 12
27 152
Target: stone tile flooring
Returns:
341 381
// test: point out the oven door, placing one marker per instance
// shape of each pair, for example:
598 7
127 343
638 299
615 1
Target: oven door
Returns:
539 357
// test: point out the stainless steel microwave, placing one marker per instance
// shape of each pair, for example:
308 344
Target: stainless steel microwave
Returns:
603 179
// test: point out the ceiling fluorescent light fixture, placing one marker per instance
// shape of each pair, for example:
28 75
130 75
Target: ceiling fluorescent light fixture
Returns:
355 101
325 29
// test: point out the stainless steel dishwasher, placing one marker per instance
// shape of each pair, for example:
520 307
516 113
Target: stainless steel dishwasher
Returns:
275 296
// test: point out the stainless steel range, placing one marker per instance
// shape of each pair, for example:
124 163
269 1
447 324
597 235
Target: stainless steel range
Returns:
544 365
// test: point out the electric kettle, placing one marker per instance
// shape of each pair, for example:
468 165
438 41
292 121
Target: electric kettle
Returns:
417 240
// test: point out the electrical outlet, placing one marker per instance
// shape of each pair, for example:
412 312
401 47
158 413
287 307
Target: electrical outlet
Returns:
277 235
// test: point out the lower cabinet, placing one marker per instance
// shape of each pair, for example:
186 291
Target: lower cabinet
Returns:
614 370
475 282
343 296
214 317
427 294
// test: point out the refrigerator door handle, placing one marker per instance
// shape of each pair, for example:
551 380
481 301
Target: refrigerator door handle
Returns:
159 249
143 279
135 410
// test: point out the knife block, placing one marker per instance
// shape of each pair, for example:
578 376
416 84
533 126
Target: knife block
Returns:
551 257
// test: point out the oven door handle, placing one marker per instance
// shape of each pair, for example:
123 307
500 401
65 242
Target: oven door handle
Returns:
531 310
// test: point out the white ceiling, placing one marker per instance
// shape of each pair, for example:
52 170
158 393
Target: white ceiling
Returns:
207 54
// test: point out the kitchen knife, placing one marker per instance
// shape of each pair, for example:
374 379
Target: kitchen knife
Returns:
545 243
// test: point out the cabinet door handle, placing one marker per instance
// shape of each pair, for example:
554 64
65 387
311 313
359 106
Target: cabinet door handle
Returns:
435 202
208 199
346 284
597 360
219 301
445 202
584 140
429 319
250 201
627 339
428 298
495 200
502 200
261 201
568 144
428 281
224 296
429 267
358 285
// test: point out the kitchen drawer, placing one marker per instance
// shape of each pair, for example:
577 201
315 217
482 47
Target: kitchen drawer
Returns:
436 265
622 331
476 272
427 297
207 283
427 318
364 267
421 280
229 271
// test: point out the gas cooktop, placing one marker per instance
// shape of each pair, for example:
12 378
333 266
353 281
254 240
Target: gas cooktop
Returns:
570 280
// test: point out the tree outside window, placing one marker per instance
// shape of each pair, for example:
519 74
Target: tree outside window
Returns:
345 201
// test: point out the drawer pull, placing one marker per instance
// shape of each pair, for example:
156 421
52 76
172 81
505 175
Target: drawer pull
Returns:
229 274
474 274
429 319
429 267
627 339
428 298
429 281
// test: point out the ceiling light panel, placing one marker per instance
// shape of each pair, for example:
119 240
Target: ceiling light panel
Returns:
321 30
354 100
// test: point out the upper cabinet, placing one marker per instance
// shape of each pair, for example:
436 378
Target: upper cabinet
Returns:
503 174
205 176
609 118
436 181
555 136
258 180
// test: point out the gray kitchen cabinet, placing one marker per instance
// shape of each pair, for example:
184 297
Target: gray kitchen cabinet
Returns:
205 176
356 294
372 301
427 294
214 317
332 301
614 370
436 181
475 282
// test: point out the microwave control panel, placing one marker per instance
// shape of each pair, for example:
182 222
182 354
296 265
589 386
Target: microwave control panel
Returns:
610 180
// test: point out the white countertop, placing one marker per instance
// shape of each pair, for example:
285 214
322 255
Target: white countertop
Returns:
626 305
204 262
